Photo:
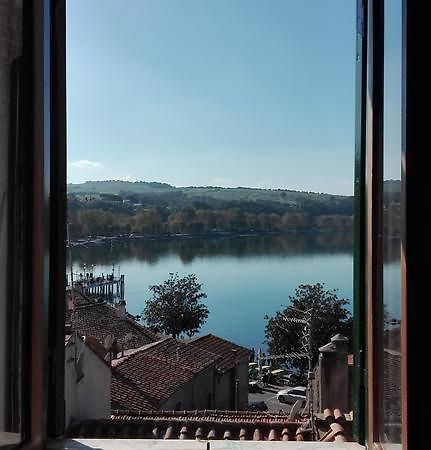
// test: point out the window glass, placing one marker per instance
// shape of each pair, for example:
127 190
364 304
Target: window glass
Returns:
390 425
215 140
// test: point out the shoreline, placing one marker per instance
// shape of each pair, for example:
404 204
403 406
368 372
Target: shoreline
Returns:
97 240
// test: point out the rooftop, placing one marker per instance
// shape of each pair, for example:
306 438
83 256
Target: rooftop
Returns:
206 424
101 320
228 353
190 357
147 377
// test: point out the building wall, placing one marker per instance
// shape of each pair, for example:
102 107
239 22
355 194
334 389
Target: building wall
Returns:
222 391
90 397
242 374
194 395
223 388
10 48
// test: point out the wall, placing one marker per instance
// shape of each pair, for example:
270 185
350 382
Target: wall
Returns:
10 47
193 395
222 391
90 397
242 374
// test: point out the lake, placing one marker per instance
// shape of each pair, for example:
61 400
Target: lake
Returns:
245 277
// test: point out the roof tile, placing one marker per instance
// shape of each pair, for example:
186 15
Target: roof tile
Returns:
227 351
100 320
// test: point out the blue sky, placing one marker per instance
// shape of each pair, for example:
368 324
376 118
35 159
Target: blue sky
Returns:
255 93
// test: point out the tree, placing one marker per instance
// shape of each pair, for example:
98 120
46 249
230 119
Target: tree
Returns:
175 306
329 317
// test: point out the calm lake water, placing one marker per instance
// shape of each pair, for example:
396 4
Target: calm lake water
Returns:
245 277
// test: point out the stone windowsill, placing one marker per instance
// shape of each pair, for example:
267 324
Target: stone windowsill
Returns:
159 444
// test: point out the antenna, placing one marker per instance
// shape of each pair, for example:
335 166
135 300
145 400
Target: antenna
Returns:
306 352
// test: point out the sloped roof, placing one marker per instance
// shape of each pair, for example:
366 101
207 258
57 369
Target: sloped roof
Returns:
100 320
144 381
189 356
228 353
146 377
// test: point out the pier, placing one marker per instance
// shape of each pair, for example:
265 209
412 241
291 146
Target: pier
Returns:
104 286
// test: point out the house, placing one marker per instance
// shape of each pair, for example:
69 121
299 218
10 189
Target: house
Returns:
168 374
231 387
109 325
87 381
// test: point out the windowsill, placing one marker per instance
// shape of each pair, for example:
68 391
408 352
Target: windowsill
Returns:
160 444
9 438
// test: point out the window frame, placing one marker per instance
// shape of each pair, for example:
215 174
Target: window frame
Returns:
413 133
37 226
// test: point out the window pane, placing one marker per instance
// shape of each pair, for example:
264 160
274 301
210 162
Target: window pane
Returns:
229 129
390 427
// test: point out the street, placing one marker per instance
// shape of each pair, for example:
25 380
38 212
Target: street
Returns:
269 396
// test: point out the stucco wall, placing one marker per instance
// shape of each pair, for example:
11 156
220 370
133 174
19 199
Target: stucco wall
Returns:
223 388
10 48
194 395
90 397
222 391
242 374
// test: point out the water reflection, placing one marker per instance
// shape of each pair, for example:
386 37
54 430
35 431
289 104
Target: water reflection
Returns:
189 249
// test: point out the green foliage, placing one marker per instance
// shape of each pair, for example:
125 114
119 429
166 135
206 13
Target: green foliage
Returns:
175 306
156 209
330 317
248 199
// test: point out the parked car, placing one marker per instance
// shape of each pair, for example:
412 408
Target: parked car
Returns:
258 406
290 395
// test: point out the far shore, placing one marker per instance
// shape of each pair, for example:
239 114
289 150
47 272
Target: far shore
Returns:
95 240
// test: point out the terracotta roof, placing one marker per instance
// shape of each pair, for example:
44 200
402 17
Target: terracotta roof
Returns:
227 351
146 378
229 425
333 425
100 320
79 299
190 357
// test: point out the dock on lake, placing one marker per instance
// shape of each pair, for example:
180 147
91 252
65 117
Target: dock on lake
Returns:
107 286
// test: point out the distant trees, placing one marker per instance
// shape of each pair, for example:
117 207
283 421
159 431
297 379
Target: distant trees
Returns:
151 221
172 212
175 307
330 317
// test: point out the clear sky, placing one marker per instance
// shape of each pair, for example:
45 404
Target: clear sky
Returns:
255 93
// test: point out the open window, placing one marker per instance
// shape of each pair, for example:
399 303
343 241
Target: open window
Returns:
33 225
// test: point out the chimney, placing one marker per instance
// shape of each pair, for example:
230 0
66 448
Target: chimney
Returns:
122 308
333 374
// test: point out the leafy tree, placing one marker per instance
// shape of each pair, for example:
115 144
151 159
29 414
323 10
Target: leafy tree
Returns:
330 317
175 306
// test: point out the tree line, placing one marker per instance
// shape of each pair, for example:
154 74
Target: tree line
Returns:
92 220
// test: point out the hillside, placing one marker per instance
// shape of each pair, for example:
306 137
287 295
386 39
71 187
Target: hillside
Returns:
119 207
146 192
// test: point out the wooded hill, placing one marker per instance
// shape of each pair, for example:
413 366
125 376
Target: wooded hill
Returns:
112 207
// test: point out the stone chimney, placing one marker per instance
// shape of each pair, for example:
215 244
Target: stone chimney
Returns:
122 308
333 374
